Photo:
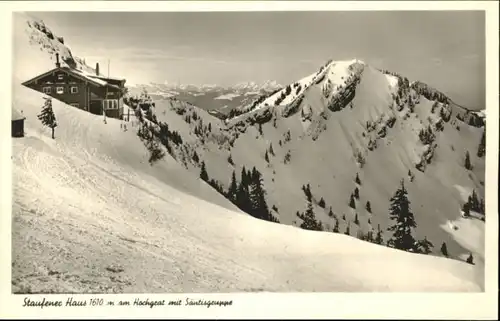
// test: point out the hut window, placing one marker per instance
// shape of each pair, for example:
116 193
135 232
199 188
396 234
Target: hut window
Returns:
46 90
74 90
60 77
110 104
60 90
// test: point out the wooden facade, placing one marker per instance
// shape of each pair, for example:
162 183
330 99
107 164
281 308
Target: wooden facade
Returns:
93 93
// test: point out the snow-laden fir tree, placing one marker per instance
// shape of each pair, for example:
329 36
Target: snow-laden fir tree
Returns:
233 188
356 193
352 203
425 246
348 229
466 209
481 150
196 159
309 221
401 213
321 203
444 249
47 116
203 172
470 259
378 238
358 181
257 197
368 207
336 227
467 162
156 153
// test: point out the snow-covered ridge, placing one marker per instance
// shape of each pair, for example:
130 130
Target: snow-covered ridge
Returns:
49 42
334 75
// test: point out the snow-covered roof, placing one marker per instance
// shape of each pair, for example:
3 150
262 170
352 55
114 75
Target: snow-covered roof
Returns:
16 115
88 76
102 77
94 79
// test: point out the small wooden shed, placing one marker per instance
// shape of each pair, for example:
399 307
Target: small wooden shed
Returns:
17 123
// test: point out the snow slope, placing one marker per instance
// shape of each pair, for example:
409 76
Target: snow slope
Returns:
91 215
370 126
85 207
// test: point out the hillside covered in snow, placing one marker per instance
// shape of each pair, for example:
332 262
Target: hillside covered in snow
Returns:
91 213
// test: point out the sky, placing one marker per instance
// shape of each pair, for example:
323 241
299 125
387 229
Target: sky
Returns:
445 49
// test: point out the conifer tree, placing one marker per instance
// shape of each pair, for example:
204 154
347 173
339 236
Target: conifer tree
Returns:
379 239
466 209
348 229
444 249
358 181
203 172
474 201
356 193
309 219
467 162
401 213
368 207
242 194
266 157
330 213
257 197
307 192
233 188
195 157
47 116
481 150
369 236
321 203
470 259
352 203
336 227
356 221
155 151
271 150
244 177
424 246
230 160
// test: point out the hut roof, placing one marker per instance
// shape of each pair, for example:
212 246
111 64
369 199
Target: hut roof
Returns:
16 115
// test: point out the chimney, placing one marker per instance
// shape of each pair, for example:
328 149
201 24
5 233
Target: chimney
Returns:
58 64
97 69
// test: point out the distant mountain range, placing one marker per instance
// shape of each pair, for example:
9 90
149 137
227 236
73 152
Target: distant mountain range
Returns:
209 97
